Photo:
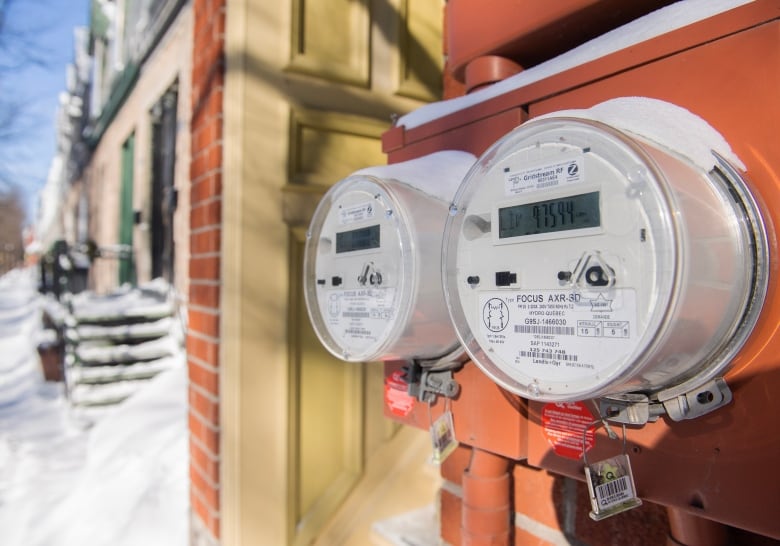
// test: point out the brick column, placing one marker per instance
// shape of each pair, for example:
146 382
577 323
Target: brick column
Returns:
203 335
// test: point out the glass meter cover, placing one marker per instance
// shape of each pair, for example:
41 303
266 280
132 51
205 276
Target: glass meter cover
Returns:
581 261
372 290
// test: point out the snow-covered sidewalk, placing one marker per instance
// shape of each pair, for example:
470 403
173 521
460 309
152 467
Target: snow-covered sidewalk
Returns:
121 482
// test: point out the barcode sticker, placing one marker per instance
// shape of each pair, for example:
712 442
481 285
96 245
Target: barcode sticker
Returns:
614 492
611 486
544 330
443 437
537 354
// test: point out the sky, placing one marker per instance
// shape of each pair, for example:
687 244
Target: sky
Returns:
49 25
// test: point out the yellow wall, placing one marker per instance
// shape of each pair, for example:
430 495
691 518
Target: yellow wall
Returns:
310 87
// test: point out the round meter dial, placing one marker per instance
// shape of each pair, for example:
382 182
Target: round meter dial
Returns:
581 261
372 290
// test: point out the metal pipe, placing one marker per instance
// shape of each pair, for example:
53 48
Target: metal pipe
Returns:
486 515
489 69
690 530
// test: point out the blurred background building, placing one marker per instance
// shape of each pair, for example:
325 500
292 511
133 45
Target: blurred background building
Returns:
195 139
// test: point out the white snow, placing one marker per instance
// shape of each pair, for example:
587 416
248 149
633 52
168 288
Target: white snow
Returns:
96 353
122 482
116 372
671 126
657 23
152 302
438 174
20 371
414 528
132 331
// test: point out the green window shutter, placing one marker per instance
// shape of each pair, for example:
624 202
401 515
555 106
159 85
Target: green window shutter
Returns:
126 262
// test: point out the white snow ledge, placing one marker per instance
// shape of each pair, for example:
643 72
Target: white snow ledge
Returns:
657 23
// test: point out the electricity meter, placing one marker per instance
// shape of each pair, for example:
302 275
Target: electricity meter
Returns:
581 261
372 261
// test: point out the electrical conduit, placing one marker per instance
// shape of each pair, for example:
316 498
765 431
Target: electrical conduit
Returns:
486 514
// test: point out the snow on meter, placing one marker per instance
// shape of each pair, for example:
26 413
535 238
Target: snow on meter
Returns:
372 261
584 260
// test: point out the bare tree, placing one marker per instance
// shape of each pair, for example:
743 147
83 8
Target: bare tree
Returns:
18 44
11 226
19 50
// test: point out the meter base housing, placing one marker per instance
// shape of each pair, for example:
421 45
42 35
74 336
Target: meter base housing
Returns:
721 466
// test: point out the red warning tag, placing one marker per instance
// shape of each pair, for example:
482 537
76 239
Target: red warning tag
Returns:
563 424
397 399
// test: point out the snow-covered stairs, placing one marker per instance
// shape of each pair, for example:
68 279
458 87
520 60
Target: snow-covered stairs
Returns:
116 343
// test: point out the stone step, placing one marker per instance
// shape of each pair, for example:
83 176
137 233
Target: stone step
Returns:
102 353
105 394
152 301
98 375
123 332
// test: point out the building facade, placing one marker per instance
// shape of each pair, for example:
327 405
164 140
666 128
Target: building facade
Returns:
133 191
288 98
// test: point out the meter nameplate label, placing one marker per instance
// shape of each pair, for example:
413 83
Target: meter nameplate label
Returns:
548 175
360 317
356 213
558 334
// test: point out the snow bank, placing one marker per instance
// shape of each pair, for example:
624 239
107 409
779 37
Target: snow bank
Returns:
133 489
41 453
123 482
20 325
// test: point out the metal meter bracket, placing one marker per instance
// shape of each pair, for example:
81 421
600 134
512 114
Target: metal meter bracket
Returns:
638 409
630 409
692 404
426 384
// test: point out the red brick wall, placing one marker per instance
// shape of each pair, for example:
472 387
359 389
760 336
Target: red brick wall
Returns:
203 336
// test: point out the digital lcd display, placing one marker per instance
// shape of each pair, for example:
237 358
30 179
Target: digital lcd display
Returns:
357 239
573 212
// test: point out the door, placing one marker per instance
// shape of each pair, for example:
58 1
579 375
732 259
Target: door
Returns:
164 195
126 263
